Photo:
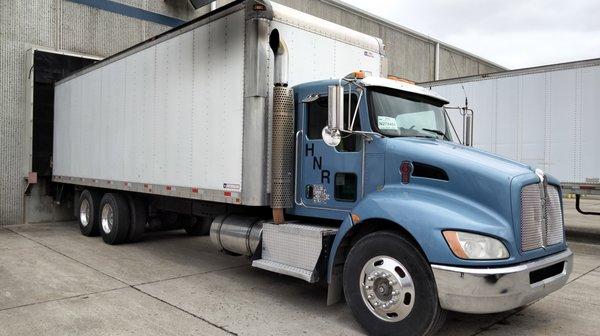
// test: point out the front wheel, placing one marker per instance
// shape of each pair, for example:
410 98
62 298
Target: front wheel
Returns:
390 288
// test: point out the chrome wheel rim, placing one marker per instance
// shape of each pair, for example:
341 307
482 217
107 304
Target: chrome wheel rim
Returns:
84 213
107 218
387 288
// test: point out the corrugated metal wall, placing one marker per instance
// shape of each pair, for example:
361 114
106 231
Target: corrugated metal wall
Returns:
64 25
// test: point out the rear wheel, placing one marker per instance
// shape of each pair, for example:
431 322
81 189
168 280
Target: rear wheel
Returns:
139 219
114 218
390 288
89 204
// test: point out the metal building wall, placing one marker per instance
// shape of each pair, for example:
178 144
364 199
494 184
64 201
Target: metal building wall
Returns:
62 25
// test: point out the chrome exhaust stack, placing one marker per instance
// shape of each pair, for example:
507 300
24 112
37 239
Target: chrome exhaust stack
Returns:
282 149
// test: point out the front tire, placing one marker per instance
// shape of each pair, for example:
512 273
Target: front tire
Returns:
114 218
390 288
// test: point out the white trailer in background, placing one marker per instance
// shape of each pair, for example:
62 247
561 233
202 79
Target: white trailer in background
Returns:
546 116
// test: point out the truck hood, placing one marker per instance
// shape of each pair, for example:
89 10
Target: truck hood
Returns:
473 174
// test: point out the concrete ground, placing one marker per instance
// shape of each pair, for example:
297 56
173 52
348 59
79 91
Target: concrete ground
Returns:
54 281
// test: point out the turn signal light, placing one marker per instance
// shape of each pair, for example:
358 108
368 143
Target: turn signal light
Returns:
360 75
356 75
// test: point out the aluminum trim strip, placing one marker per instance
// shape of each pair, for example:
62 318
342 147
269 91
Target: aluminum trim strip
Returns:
155 189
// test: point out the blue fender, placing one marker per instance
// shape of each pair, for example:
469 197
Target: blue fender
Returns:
424 212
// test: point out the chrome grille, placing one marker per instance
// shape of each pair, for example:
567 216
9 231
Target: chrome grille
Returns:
531 218
541 217
554 217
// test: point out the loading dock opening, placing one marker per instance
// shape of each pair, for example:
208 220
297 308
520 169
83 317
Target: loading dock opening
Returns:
43 69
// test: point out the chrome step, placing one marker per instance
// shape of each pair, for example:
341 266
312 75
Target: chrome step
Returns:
284 269
293 249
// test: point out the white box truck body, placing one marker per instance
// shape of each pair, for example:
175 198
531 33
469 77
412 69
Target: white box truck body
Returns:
186 114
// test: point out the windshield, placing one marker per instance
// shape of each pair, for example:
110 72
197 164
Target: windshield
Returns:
396 113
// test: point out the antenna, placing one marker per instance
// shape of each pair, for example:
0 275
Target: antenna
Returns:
466 112
460 82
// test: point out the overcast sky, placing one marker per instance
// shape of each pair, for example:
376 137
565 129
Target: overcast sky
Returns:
513 33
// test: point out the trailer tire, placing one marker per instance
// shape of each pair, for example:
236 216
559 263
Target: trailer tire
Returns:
390 288
89 212
139 218
114 218
197 226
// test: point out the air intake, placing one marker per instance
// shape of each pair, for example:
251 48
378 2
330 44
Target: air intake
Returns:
428 171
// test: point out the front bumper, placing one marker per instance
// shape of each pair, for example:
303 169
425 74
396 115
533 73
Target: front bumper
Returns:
492 290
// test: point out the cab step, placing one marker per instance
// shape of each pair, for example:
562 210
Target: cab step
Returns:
295 249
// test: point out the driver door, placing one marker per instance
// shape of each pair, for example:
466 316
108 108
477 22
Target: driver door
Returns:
330 177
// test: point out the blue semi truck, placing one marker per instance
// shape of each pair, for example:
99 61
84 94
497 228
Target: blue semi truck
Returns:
250 124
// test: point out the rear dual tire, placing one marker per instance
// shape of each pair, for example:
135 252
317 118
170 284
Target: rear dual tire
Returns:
117 218
137 209
114 218
89 205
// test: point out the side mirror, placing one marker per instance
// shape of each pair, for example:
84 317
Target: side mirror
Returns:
468 128
335 116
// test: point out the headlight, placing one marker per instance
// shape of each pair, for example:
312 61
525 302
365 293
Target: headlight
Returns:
473 246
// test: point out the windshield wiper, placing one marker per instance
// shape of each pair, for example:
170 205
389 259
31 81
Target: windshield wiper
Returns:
438 132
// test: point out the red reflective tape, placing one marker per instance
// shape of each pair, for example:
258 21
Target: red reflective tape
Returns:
169 188
587 187
227 193
195 190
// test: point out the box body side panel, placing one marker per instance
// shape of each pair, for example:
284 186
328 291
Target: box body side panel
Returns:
170 115
314 56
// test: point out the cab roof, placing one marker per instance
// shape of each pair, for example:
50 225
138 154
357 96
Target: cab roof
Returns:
372 81
401 86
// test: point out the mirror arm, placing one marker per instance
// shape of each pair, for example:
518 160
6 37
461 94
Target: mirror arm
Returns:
356 111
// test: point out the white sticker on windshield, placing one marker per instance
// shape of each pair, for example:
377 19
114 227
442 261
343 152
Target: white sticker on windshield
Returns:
386 123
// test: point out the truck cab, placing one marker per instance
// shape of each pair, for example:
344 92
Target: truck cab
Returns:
427 224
